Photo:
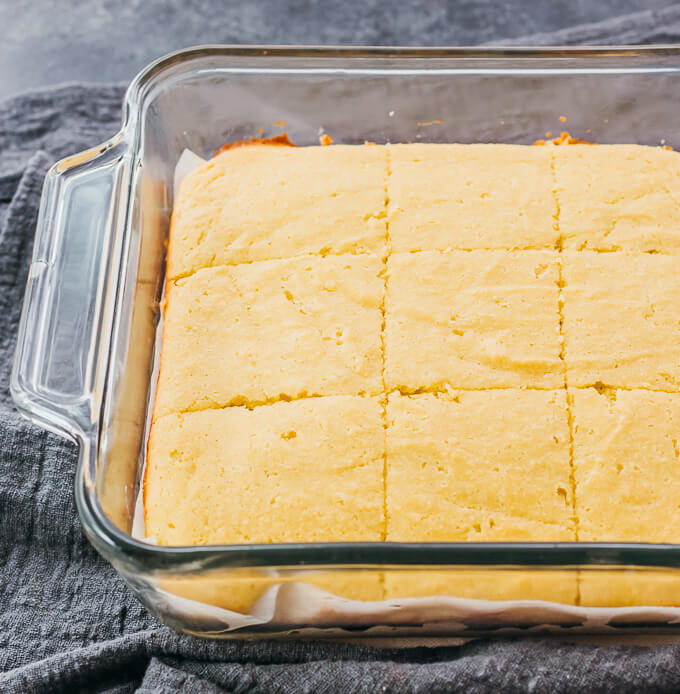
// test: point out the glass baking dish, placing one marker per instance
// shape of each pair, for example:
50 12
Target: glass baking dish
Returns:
86 351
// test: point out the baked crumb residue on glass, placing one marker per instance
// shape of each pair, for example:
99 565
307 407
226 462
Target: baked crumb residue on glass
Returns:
564 138
282 140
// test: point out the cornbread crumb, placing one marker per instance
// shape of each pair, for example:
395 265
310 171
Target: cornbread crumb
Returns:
478 466
564 138
621 323
228 476
470 196
269 330
478 319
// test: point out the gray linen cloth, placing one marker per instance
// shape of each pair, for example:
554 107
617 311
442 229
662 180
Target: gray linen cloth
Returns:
68 623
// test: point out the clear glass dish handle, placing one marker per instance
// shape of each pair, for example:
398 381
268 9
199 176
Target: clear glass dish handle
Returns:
56 376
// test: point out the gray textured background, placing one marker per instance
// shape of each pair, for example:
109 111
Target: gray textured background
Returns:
50 41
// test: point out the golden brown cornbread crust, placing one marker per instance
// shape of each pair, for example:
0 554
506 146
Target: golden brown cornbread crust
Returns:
281 140
478 264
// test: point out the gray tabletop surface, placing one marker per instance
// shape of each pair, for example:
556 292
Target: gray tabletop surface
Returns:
50 41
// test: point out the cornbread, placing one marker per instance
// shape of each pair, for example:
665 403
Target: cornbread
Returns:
235 475
482 583
478 319
479 465
618 197
239 591
622 319
261 202
420 343
464 197
629 587
269 330
626 452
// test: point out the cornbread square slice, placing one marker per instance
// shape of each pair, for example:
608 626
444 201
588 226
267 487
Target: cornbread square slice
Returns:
444 196
478 319
485 584
274 329
618 197
628 587
478 465
262 202
621 324
240 591
626 461
302 471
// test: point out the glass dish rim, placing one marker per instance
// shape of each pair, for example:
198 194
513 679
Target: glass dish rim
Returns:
113 542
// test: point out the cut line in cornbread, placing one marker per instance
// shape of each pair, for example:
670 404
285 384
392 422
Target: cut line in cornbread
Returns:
247 476
263 202
269 330
479 465
621 321
451 196
478 319
618 197
626 463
